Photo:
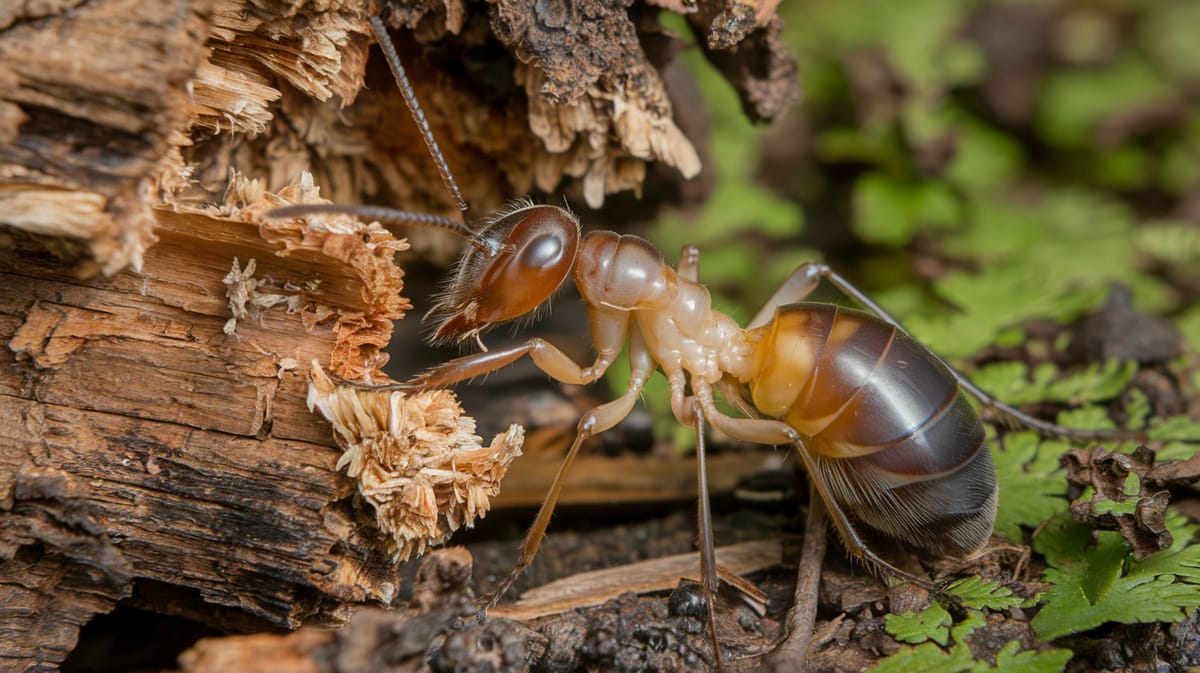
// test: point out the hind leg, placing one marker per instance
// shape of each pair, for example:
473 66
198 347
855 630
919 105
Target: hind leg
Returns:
807 276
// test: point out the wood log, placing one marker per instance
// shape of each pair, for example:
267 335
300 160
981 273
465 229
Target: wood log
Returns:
147 443
155 445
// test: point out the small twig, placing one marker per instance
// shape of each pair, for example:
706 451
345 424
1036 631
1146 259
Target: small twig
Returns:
791 654
662 574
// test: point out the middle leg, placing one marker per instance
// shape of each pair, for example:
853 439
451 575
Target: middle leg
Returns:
709 576
597 420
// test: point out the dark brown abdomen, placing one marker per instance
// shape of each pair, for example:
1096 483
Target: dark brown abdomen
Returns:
897 441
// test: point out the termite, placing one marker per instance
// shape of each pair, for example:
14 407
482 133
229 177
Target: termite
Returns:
882 425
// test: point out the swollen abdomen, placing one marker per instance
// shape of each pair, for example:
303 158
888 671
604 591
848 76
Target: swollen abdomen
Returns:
898 443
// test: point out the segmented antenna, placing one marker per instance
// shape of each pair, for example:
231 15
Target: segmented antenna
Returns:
390 215
414 108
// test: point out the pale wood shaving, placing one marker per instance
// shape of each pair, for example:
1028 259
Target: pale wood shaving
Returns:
246 296
416 459
115 230
319 48
595 587
231 98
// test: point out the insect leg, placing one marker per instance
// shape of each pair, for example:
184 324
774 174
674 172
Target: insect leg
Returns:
710 580
593 422
684 408
545 355
768 431
799 284
809 273
608 333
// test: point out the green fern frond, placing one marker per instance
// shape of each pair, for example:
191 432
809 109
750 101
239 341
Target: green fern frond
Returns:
979 594
932 623
1096 579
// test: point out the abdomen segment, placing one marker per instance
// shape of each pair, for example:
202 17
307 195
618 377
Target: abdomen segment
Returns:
895 439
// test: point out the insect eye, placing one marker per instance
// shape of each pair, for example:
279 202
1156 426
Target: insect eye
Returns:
544 250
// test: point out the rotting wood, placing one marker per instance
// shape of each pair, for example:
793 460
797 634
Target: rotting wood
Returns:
83 125
610 480
155 447
152 446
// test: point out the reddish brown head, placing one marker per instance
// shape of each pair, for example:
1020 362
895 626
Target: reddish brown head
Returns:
530 252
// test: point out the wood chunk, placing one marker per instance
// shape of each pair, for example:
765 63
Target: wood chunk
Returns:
144 443
83 125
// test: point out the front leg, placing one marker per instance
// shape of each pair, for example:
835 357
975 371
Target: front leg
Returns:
689 263
548 358
599 419
609 329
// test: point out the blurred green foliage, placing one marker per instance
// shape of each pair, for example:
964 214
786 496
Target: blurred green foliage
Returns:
971 165
990 162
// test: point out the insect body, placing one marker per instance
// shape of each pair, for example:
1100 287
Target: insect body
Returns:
879 421
882 425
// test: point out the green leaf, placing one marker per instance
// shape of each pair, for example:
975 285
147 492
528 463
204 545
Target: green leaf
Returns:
1010 382
1189 326
1100 381
1074 102
932 623
889 211
1137 408
976 593
1175 427
1091 417
1132 485
998 230
1113 507
1180 170
1182 433
928 658
1032 488
1169 36
931 658
984 158
1097 581
1171 242
1011 660
1125 168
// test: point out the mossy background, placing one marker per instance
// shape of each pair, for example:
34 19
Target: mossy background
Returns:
973 164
